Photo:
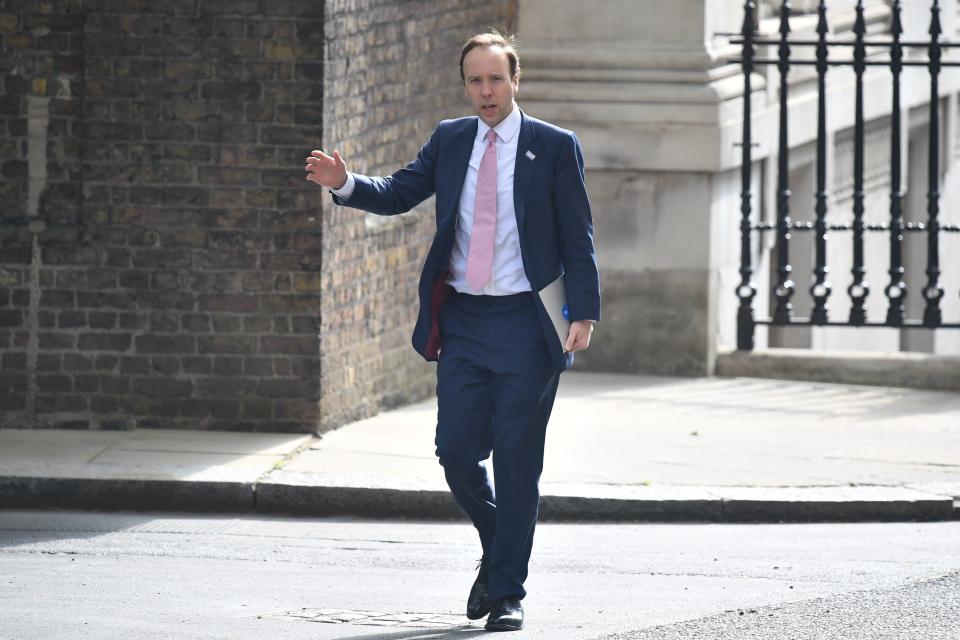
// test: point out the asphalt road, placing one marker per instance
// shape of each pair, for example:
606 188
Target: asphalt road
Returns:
924 610
66 575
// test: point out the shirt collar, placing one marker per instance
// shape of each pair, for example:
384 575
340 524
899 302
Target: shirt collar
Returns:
507 128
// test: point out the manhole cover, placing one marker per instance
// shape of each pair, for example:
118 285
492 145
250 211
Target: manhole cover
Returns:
377 618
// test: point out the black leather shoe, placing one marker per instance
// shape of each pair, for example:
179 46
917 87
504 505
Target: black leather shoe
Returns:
478 603
505 615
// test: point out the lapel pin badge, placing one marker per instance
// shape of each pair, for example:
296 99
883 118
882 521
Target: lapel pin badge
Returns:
531 155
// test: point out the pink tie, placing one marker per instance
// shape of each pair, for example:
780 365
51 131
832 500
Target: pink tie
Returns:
480 257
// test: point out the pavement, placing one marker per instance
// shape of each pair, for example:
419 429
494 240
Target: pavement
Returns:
619 448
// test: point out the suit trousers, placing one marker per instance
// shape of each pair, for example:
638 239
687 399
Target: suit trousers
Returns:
496 384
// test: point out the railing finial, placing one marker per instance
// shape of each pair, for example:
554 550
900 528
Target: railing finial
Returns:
785 10
749 18
896 28
822 27
860 24
936 29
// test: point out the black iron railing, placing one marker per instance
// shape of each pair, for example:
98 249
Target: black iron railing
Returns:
859 289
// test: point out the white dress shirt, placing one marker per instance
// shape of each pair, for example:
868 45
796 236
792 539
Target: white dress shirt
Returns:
508 276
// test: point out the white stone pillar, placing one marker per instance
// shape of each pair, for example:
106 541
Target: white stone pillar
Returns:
645 86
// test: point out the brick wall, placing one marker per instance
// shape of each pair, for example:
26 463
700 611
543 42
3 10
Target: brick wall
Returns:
160 250
391 75
40 102
171 273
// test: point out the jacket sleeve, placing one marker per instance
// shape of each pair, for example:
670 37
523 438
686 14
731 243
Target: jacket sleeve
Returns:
400 192
575 224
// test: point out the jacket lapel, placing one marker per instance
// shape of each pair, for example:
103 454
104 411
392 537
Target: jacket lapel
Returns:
460 149
523 168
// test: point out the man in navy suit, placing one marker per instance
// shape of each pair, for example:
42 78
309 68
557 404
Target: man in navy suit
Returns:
512 216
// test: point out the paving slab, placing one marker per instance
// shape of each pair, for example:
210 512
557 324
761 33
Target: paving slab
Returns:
53 446
258 444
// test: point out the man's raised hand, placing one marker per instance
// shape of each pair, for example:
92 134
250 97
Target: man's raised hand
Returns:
326 171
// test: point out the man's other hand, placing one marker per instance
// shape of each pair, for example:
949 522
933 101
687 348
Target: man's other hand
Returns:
578 338
326 171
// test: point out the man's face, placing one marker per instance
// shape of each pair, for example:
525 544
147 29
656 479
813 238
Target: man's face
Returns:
488 84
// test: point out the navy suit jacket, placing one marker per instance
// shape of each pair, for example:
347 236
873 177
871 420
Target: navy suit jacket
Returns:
552 209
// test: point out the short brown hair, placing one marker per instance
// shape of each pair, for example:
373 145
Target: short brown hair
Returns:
493 39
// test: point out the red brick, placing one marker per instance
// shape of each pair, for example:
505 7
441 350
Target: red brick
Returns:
166 344
232 303
227 344
225 387
104 341
163 387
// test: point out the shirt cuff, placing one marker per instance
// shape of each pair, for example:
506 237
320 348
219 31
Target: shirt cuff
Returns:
346 190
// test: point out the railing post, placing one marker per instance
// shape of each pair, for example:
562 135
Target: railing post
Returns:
859 289
933 292
784 289
746 290
897 228
897 289
820 290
